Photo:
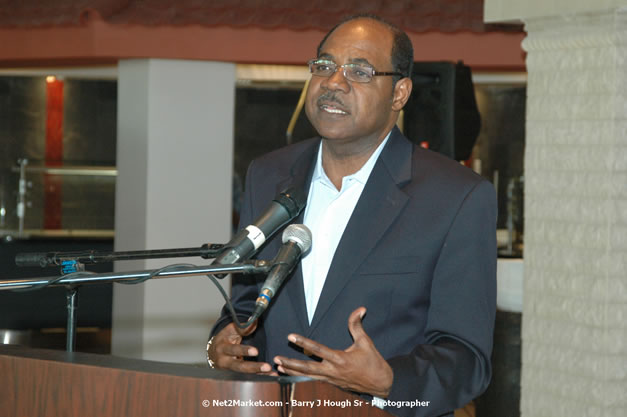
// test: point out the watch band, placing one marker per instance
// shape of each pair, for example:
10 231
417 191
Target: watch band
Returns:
210 362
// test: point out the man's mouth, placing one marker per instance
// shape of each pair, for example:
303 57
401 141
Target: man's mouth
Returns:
332 109
328 102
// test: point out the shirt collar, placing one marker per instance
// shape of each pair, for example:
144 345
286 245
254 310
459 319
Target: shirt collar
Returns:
360 176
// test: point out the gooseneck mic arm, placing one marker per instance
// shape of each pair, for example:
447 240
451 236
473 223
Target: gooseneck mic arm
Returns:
133 277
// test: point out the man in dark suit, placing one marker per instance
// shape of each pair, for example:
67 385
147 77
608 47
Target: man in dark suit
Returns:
396 299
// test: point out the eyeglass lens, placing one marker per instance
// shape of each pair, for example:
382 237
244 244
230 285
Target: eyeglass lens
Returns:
354 72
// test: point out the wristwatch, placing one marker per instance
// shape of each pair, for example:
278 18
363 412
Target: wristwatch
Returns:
210 362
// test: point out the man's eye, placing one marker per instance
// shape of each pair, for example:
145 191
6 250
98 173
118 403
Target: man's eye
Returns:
360 72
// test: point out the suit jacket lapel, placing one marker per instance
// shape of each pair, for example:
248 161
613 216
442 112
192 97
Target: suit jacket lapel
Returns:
300 177
383 200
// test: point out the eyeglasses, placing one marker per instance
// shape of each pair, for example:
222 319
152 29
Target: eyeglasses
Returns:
360 73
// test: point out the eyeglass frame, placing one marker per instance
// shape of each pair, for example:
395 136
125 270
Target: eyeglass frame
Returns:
375 73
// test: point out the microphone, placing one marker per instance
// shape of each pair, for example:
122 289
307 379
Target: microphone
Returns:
296 241
284 208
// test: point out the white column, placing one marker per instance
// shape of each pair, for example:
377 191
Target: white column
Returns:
174 159
574 333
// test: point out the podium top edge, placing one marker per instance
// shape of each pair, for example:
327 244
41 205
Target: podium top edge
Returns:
139 365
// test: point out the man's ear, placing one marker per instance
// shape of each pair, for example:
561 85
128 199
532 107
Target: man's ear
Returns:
402 90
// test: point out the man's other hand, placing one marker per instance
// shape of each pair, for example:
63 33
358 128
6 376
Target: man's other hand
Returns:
359 368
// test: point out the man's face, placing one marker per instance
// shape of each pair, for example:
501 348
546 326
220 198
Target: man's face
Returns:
345 110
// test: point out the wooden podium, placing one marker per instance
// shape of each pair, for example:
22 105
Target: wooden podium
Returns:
50 383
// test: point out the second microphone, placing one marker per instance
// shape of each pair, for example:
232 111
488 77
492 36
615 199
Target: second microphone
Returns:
296 242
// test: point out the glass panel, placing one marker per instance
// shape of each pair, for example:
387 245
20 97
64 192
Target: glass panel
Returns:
499 155
64 201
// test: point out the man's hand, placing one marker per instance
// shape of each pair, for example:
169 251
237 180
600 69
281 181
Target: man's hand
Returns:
359 368
227 352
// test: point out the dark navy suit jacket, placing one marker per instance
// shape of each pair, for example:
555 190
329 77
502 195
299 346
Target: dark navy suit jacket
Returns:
419 252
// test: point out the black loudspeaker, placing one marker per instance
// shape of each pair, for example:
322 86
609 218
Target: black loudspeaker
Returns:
442 113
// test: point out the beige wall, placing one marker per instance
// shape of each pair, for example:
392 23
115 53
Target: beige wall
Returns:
574 333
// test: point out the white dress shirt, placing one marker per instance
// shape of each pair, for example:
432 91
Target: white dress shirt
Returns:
327 213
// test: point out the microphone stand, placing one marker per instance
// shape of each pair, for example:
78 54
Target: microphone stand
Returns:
72 280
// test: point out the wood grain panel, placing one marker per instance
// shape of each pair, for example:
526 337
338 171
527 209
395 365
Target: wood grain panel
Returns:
39 382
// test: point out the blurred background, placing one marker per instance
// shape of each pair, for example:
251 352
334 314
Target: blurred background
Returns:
130 125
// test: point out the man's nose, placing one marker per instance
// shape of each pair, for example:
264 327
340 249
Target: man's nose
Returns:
337 81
